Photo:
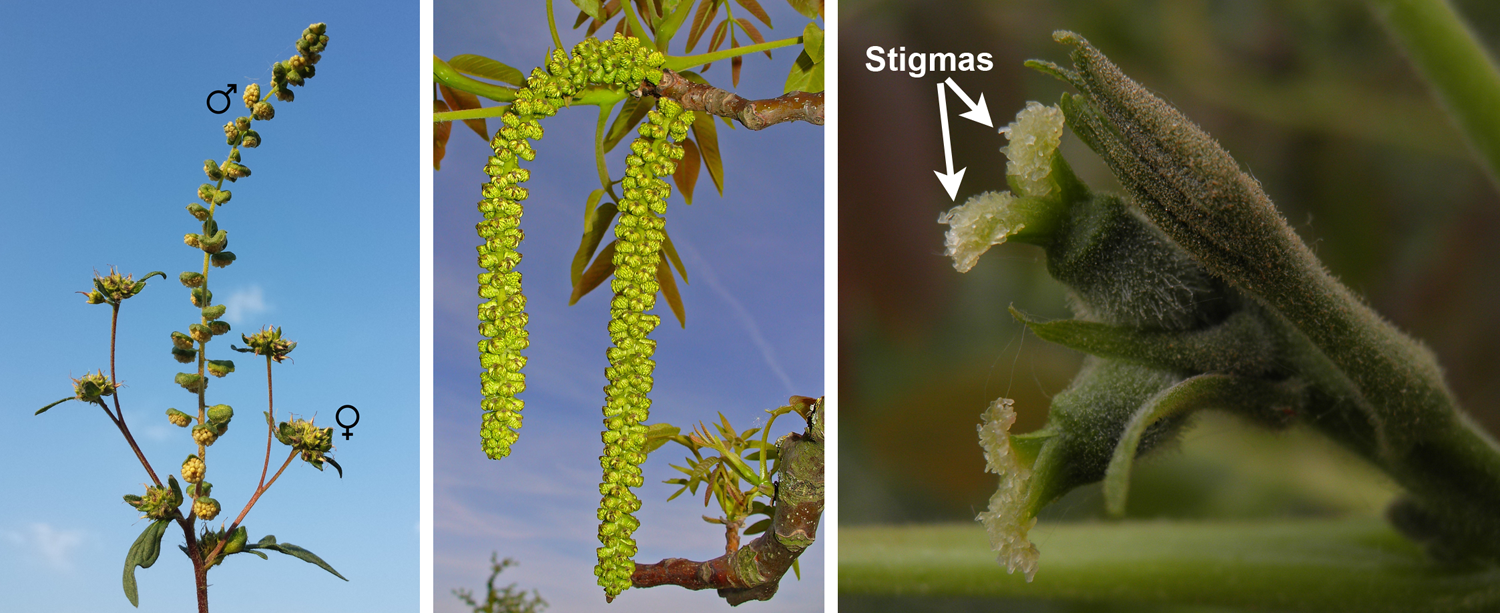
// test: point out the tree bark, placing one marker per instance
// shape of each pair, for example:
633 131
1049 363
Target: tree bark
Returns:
753 114
754 571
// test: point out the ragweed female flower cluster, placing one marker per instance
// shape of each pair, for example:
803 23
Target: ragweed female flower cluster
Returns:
618 62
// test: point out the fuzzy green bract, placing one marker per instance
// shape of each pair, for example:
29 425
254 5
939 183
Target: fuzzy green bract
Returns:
1193 292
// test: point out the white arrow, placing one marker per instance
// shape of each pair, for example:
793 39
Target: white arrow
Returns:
978 113
950 180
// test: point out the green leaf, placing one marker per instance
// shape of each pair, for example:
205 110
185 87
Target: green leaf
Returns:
596 220
810 9
601 269
485 68
669 290
269 542
44 409
335 466
660 434
678 11
589 7
807 71
143 553
797 568
448 75
758 527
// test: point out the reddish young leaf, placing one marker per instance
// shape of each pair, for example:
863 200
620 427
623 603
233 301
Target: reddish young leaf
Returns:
706 133
596 220
754 34
669 290
707 9
735 63
687 170
720 35
631 114
601 269
462 101
756 10
440 132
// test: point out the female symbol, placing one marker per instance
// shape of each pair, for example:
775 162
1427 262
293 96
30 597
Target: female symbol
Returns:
341 423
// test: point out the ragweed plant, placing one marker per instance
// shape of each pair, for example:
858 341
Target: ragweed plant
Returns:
1192 292
672 113
162 502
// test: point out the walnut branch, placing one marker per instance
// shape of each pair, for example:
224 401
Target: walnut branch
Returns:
753 114
754 571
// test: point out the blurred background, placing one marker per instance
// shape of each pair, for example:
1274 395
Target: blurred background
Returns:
1312 97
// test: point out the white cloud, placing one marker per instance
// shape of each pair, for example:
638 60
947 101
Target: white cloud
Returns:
52 545
244 303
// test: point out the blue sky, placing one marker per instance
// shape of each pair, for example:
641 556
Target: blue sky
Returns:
754 335
104 134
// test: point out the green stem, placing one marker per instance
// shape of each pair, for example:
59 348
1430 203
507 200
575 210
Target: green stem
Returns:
481 113
552 25
1323 565
636 29
680 63
1457 67
599 129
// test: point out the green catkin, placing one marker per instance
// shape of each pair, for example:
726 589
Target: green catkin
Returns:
621 63
637 254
